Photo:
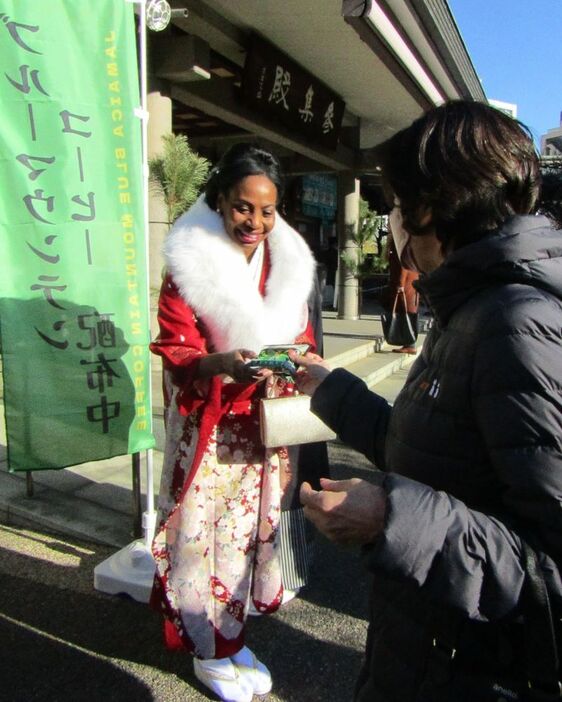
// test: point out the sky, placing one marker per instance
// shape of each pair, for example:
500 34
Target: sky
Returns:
516 50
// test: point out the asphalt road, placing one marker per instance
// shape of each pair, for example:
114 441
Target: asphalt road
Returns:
62 641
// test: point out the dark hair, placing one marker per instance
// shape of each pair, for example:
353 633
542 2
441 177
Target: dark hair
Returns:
240 161
468 163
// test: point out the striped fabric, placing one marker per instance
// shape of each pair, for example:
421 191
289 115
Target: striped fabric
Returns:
296 548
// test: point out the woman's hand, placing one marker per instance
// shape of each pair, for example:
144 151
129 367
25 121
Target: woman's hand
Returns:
312 371
235 365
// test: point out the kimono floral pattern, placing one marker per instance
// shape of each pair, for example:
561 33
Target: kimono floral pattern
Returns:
216 547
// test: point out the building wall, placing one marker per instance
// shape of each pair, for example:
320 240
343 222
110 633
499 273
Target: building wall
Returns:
551 142
509 108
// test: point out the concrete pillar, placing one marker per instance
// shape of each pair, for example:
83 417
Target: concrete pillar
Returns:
159 123
348 219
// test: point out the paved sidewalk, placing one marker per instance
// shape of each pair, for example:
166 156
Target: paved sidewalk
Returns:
65 640
95 500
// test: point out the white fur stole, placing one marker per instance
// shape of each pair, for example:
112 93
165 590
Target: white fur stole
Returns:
213 277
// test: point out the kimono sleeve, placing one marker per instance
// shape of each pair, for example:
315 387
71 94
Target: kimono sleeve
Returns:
181 342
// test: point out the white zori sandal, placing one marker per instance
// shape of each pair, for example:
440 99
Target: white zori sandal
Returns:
222 677
252 671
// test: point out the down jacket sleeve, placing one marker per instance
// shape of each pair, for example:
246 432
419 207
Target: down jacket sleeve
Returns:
358 417
517 401
467 558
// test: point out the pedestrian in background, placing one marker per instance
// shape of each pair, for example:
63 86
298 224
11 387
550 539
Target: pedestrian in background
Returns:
401 294
471 452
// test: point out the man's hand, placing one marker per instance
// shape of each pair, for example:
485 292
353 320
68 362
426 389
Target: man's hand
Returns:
312 371
346 511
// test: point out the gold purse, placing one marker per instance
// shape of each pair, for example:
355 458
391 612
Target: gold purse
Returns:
286 421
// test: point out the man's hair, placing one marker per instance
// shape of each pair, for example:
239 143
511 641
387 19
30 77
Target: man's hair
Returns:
239 162
467 163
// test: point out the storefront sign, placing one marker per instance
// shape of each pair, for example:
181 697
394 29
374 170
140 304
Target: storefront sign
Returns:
283 90
73 295
319 196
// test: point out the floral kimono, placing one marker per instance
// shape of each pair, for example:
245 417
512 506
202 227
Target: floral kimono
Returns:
216 545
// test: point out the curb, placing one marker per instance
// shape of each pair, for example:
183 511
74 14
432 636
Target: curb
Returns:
58 512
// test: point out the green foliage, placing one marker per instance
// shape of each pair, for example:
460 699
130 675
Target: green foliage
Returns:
178 175
368 259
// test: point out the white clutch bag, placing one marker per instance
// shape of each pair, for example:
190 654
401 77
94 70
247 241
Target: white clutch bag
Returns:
286 421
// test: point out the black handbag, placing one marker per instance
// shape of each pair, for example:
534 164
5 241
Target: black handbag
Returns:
538 678
400 327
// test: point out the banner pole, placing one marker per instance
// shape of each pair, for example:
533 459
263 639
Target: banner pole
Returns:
131 570
136 502
149 516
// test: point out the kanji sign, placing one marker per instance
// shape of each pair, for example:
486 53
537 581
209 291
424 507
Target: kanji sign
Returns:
280 88
73 294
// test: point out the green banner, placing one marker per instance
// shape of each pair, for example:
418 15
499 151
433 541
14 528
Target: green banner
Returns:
73 290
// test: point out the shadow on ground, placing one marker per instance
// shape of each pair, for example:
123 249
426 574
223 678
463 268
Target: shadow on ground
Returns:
64 642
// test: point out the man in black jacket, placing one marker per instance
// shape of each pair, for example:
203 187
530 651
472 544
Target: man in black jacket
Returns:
471 452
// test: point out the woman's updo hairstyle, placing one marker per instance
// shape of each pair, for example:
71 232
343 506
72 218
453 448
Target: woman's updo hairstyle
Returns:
240 161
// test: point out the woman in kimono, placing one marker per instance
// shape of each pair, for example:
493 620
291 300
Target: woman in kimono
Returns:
238 278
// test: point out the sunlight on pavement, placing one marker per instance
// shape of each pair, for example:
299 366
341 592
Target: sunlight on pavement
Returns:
41 546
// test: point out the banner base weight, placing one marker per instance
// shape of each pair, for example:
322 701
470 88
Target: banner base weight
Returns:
130 571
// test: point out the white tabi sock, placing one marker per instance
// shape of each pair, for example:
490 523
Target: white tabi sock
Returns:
224 679
252 670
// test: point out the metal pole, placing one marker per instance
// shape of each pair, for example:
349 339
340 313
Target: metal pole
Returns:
149 516
29 483
131 570
137 507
